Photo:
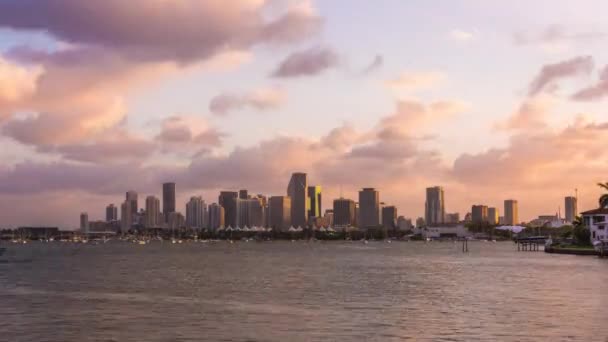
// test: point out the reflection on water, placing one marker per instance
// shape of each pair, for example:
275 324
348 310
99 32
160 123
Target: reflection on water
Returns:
283 291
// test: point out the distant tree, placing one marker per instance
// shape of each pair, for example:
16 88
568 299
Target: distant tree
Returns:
582 235
603 198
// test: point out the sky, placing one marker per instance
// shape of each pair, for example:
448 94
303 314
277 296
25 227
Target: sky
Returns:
491 100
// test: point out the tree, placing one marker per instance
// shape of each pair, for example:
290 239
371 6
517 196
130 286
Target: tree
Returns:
604 198
582 235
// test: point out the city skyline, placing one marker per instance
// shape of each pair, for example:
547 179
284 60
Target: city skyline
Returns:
241 95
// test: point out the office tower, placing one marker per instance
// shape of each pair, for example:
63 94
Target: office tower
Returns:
152 215
195 213
511 213
571 209
176 221
168 200
215 216
435 206
131 196
243 194
111 213
389 217
344 212
227 200
493 216
369 208
479 214
84 223
452 218
250 212
314 202
280 212
296 191
328 218
126 217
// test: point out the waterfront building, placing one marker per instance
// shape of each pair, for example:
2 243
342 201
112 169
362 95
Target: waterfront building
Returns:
215 216
493 216
343 212
434 206
168 200
314 202
126 217
227 200
111 213
571 207
420 222
404 224
176 221
152 216
328 218
389 217
84 223
297 192
452 218
511 213
243 194
369 208
280 213
597 222
250 212
131 196
479 214
195 212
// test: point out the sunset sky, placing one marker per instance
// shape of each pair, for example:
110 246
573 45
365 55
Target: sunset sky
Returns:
492 100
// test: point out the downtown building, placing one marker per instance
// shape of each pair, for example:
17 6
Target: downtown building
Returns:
315 210
571 208
297 192
479 214
84 223
389 217
216 216
511 213
344 213
251 212
126 217
153 217
279 213
131 196
434 211
168 200
493 217
369 208
111 213
227 200
196 213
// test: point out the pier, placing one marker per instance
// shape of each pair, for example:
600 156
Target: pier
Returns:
531 244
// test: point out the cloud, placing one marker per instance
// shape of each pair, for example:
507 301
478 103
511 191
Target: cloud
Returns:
462 35
595 91
555 34
530 115
410 81
550 73
262 99
16 82
198 29
376 64
309 62
187 135
118 147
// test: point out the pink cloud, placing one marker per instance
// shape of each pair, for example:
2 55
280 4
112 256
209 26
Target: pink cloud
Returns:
307 62
550 73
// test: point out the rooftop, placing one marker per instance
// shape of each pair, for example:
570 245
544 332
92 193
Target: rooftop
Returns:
599 211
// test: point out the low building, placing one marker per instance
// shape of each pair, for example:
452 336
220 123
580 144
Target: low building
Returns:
444 231
597 222
36 233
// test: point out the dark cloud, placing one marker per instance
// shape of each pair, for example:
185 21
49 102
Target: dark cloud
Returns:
260 99
308 62
550 73
595 91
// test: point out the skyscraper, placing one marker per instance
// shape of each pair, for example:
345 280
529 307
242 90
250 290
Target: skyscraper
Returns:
227 200
479 214
389 217
571 208
168 200
314 202
296 190
126 217
344 212
511 213
84 223
111 213
215 216
493 216
369 208
153 217
250 212
195 213
280 212
131 196
435 206
243 194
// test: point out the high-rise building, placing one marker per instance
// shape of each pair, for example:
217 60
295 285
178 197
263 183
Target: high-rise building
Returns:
344 212
314 202
111 213
511 213
195 213
176 221
126 217
369 208
479 213
389 217
296 190
168 200
571 208
84 223
131 196
434 206
280 212
153 216
227 200
493 216
243 194
250 212
452 218
404 223
215 216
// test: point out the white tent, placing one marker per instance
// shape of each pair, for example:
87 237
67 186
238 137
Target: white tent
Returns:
514 229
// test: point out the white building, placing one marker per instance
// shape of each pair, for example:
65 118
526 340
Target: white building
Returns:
196 212
597 222
459 231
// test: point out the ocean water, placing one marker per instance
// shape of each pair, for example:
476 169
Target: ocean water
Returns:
301 291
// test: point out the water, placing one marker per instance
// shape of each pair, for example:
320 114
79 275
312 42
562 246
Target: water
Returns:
282 291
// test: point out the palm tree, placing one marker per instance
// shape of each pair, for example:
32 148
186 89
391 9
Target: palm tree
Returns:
604 197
